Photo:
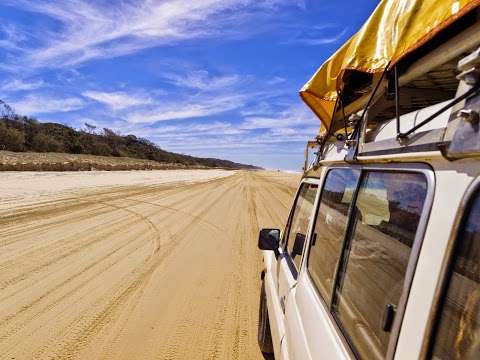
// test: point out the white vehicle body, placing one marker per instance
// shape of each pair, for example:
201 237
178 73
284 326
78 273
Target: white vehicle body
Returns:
303 323
305 329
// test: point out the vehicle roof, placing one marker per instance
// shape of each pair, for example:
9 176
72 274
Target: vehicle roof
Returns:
394 30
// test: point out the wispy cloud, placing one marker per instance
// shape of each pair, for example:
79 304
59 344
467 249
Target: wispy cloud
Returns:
270 141
321 35
276 80
95 30
191 131
118 100
203 80
21 85
324 40
11 37
292 125
291 117
32 105
193 107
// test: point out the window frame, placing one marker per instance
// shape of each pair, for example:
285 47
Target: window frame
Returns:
472 191
421 168
317 208
284 242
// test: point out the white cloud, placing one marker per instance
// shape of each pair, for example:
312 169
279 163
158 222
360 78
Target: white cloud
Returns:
276 80
10 36
193 107
118 100
202 80
20 85
94 30
196 130
323 40
259 142
32 105
323 34
290 126
294 116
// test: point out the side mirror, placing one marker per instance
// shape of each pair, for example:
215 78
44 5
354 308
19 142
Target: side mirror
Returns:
269 239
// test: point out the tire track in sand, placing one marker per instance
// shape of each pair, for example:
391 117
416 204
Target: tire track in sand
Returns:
175 276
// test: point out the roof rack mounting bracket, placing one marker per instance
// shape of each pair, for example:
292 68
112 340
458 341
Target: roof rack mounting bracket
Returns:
463 130
311 144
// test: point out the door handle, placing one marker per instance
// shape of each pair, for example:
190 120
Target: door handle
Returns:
388 317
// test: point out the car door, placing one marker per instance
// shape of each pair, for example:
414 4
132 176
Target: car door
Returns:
307 322
294 238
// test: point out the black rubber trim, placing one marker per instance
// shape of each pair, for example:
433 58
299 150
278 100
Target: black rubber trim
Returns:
291 264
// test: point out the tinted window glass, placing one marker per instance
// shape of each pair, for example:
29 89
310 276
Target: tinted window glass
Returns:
330 225
386 217
300 220
458 331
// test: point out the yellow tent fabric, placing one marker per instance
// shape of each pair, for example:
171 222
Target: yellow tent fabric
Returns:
396 28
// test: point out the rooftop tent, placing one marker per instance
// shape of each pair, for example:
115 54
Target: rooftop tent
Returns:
394 30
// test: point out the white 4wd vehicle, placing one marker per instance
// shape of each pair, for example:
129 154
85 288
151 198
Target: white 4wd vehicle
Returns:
380 257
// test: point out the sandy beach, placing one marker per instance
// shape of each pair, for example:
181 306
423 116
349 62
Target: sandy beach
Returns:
134 265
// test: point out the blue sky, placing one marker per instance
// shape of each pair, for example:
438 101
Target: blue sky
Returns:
213 78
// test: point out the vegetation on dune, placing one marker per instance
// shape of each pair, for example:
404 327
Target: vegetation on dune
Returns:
22 133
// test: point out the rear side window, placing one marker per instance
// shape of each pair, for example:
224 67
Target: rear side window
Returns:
299 222
458 327
371 277
330 225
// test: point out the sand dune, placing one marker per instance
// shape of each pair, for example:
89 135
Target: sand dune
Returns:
140 268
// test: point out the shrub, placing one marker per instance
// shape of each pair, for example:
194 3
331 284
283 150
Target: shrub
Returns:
11 138
45 143
100 148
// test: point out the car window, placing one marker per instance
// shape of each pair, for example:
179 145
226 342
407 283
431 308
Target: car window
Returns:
458 328
371 278
300 220
330 225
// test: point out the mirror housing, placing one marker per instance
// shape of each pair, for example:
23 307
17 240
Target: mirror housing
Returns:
269 239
